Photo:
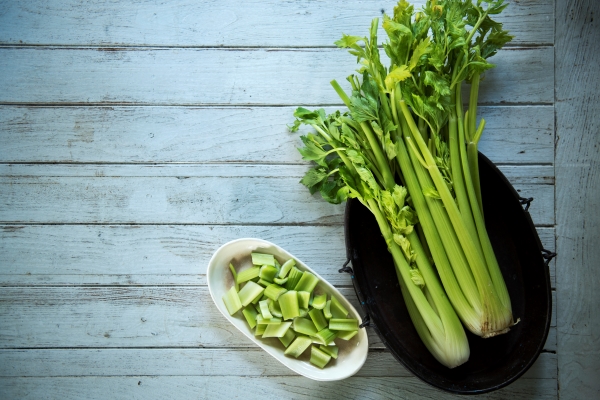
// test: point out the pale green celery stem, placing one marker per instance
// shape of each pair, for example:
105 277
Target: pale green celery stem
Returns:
456 126
472 138
499 286
388 179
431 319
474 256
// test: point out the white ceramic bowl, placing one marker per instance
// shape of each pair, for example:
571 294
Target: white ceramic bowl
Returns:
352 353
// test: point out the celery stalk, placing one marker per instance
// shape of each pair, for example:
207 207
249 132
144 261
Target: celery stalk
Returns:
250 315
288 302
268 273
318 319
319 301
277 330
303 299
286 267
249 292
307 282
293 277
346 335
263 259
273 291
319 357
304 326
350 324
232 301
327 310
234 273
287 338
248 274
298 346
331 350
264 309
337 309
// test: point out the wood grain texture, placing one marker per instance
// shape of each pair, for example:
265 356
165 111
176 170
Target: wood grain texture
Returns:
268 23
194 362
128 316
158 254
515 135
578 197
296 387
228 76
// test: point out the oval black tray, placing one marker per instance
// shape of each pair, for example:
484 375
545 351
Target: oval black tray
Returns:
494 362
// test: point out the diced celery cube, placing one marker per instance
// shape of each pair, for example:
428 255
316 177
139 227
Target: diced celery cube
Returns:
346 335
286 267
304 326
319 357
288 337
248 274
250 315
267 272
331 350
337 309
307 282
263 259
318 319
264 309
319 301
232 301
349 324
277 330
298 346
303 298
273 291
249 292
288 302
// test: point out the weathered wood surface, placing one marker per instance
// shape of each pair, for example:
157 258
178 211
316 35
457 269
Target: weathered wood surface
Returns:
216 387
159 254
270 23
256 76
513 135
578 197
128 316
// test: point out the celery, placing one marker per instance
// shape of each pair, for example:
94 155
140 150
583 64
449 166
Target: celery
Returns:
293 278
304 326
267 321
303 299
345 335
286 267
250 292
302 312
234 273
288 337
318 318
260 329
232 301
298 346
274 308
331 350
263 259
264 309
350 324
337 309
248 274
268 273
280 281
325 336
277 330
327 310
289 305
263 282
307 282
273 291
319 357
250 315
319 301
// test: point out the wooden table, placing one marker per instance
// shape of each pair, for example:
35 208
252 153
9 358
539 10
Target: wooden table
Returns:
137 137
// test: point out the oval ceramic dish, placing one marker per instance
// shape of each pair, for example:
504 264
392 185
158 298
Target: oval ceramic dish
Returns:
352 354
494 362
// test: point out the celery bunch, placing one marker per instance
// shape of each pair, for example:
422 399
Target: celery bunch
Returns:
405 124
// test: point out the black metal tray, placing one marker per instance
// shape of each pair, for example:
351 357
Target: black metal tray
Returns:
494 362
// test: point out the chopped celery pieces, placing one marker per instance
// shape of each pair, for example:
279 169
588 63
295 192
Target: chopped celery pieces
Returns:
268 273
319 301
318 319
319 357
307 282
248 274
278 301
304 326
232 301
298 346
289 304
250 315
286 267
337 309
263 259
350 324
277 330
249 292
331 350
303 299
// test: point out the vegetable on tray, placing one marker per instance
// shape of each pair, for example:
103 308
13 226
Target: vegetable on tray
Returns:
289 313
407 150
